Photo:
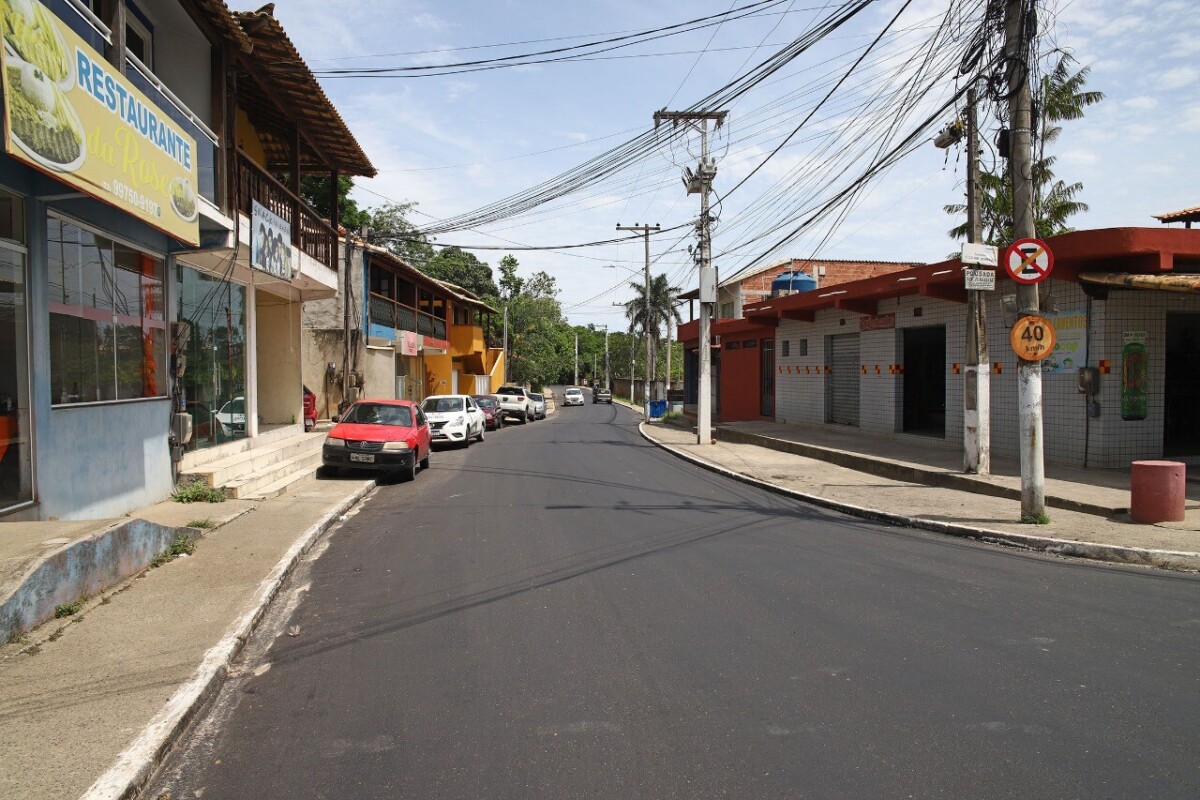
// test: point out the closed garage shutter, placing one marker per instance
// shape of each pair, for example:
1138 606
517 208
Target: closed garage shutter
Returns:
842 385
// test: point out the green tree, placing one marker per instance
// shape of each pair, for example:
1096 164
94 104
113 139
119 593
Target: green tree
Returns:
1058 97
510 283
649 313
457 266
392 227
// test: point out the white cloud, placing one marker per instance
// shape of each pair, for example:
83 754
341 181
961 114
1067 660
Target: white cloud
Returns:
1141 103
1178 77
429 21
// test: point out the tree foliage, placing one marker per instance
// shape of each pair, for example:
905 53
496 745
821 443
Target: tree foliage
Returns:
457 266
650 313
1058 97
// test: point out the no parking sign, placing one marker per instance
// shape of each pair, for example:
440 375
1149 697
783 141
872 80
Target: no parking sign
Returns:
1028 261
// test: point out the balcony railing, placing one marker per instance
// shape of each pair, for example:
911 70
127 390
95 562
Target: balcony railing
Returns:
387 312
312 234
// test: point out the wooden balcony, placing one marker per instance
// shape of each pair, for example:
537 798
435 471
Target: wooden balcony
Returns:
390 314
310 233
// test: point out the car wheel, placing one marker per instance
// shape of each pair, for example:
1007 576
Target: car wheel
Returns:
425 461
466 442
525 420
409 473
481 432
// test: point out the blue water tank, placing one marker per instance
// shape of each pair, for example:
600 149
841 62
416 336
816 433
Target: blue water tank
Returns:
792 282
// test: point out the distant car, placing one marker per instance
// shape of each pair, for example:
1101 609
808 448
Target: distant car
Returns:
381 435
515 403
539 405
454 418
490 407
601 395
573 397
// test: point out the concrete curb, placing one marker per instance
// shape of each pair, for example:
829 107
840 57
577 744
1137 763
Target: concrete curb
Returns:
1117 554
133 767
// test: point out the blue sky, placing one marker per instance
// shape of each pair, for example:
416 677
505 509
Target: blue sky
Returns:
454 143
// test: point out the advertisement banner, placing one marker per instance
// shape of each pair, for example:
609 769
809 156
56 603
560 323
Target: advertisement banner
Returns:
410 343
1070 349
72 116
1133 375
270 242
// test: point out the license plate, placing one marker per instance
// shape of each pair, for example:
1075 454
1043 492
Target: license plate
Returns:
362 457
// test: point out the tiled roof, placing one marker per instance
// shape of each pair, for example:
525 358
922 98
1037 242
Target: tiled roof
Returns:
289 82
1185 215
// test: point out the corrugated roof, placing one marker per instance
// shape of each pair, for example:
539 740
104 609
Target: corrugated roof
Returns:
292 84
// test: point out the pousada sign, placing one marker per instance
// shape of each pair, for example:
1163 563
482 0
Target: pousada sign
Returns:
70 114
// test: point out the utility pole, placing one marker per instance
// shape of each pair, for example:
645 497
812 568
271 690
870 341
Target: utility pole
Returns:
576 360
506 342
1018 47
977 378
700 182
645 230
607 378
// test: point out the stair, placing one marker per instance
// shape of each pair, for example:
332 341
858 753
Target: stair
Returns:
265 470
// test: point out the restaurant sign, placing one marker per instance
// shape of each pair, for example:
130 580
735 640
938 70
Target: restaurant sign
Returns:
70 114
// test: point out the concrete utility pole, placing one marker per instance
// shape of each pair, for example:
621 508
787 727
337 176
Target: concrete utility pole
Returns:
647 320
506 342
346 325
1018 49
607 378
576 360
977 377
700 182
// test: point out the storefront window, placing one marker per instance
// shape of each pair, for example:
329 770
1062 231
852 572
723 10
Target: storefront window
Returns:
107 327
214 377
16 459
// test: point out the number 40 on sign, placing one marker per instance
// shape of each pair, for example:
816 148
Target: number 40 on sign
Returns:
1033 338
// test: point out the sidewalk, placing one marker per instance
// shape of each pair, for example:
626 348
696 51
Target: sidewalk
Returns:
963 510
93 697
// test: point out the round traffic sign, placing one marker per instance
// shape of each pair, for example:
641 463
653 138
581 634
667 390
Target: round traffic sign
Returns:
1028 261
1033 338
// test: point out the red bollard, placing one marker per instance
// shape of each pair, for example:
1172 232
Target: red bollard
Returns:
1157 491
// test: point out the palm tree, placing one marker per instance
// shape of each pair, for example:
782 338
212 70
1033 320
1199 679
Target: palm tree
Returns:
649 317
1059 97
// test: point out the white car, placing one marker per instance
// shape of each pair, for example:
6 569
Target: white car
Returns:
454 418
233 416
573 397
515 403
539 405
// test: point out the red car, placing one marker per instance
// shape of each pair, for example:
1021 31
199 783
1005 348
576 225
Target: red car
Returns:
493 419
310 410
380 435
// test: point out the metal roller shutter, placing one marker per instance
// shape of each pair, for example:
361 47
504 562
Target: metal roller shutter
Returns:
841 386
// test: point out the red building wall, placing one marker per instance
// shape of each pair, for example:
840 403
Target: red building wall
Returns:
741 379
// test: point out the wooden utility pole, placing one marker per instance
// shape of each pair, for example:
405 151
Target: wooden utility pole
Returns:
647 320
977 378
1018 49
700 182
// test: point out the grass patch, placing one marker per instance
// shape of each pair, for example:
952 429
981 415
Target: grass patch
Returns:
183 545
197 492
18 638
68 609
670 415
1036 519
205 524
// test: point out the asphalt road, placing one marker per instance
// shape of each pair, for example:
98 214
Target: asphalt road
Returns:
565 611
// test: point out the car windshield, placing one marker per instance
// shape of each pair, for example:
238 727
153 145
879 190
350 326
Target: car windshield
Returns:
509 390
379 414
442 405
536 397
574 391
485 402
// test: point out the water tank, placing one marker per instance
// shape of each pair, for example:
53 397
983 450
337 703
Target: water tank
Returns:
792 282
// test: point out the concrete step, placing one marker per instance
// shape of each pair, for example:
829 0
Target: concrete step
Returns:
304 463
285 483
251 462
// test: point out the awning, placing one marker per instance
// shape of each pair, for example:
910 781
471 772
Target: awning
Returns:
1175 282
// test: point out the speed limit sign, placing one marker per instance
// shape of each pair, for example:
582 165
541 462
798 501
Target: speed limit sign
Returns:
1033 338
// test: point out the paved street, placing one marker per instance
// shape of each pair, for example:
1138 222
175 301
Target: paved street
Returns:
566 611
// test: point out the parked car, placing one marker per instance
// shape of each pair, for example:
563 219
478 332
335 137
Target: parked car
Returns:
515 403
381 435
491 411
539 405
233 416
454 418
206 426
601 395
573 397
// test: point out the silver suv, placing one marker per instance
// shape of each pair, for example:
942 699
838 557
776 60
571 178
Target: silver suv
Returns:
515 403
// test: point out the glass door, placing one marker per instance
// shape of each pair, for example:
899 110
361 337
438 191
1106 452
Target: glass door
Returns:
16 422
